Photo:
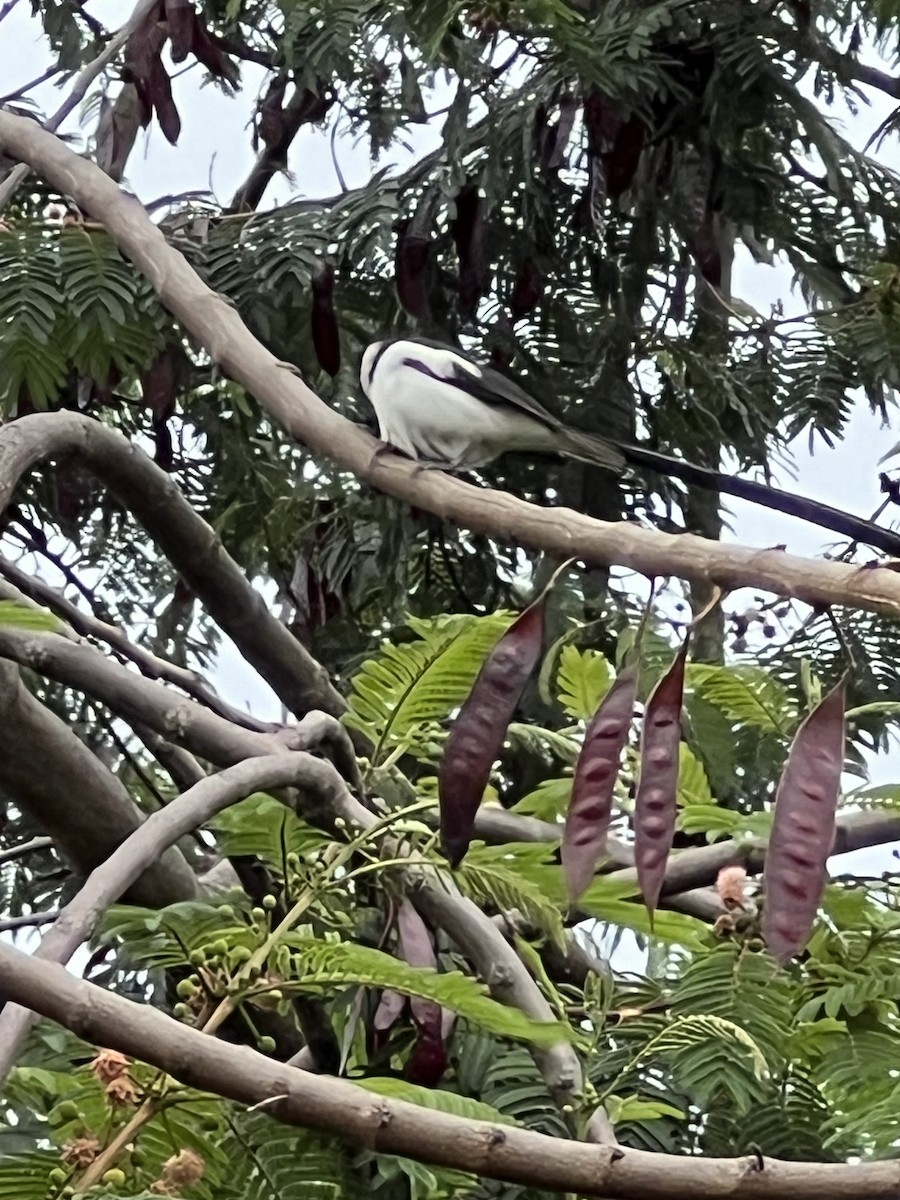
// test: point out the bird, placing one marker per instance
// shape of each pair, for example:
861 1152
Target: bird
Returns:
439 407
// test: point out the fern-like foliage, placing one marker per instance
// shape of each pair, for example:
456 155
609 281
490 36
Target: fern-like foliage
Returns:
409 688
69 301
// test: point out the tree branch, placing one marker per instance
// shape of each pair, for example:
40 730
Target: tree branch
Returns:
219 329
148 844
395 1127
53 776
147 663
187 540
303 108
506 975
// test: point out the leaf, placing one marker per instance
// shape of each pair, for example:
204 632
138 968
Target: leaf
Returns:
330 966
615 903
746 694
24 616
435 1099
412 686
583 679
693 786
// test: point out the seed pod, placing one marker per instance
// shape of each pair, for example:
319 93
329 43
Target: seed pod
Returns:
476 738
468 235
655 803
804 826
412 269
325 334
590 808
429 1060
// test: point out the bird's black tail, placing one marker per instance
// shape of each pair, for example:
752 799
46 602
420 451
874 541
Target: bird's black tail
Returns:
844 523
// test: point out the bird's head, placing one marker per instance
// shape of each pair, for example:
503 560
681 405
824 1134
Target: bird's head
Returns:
367 365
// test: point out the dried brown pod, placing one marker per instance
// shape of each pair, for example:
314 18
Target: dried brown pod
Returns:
803 827
590 807
325 333
655 804
476 738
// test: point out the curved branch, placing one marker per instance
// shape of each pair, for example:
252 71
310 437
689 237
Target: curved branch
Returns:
148 844
508 980
186 539
26 587
426 1135
219 329
53 776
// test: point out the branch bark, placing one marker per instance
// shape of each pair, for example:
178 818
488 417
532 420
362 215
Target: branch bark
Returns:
394 1127
53 776
219 329
148 845
188 541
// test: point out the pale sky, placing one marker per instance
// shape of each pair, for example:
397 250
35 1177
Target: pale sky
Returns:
214 152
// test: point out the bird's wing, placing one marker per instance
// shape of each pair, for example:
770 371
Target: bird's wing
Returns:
486 384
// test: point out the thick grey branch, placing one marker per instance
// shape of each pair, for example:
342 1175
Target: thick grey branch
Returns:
394 1127
189 543
559 531
151 842
219 329
53 776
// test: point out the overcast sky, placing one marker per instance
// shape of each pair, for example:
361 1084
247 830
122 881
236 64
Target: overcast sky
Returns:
214 152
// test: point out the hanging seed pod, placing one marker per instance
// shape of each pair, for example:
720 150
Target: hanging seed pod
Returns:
590 808
413 261
325 334
468 236
803 828
655 803
477 736
429 1060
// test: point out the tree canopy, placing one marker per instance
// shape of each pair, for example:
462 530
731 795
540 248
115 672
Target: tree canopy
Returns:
376 944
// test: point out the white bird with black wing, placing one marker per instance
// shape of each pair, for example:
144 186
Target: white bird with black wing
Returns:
442 409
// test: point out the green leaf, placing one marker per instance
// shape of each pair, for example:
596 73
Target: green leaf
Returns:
634 1108
436 1099
23 616
611 901
747 695
329 966
693 786
407 689
583 679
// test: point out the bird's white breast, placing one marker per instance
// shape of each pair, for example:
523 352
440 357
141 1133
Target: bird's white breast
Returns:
432 419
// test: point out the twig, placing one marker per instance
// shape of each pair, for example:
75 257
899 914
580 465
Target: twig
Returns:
79 89
26 87
38 843
27 920
148 663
